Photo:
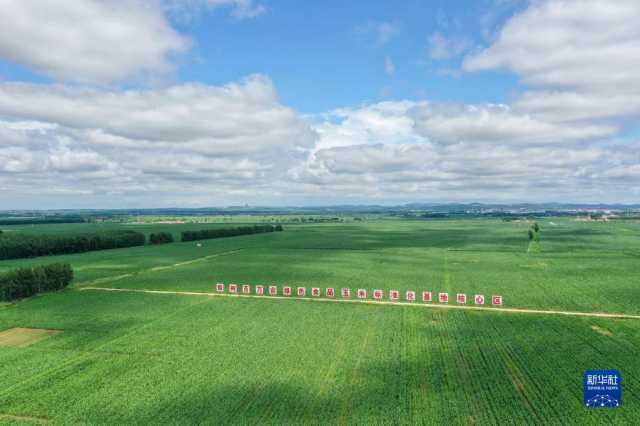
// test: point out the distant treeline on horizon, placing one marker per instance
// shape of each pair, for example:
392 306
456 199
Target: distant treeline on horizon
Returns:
17 217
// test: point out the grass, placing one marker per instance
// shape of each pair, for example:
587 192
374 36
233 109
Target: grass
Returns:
140 358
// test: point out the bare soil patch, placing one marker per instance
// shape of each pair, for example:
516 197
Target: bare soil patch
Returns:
19 337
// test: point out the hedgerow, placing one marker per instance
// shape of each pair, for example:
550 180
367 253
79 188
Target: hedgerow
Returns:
21 245
25 282
207 234
161 238
42 220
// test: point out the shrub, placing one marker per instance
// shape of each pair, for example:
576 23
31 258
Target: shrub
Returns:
25 282
161 238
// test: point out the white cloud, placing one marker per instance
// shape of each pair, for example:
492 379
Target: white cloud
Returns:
196 144
463 172
498 124
238 117
567 43
404 151
66 160
580 106
418 122
89 40
189 142
581 57
441 47
384 122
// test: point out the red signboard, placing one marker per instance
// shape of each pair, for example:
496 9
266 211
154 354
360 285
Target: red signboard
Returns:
394 295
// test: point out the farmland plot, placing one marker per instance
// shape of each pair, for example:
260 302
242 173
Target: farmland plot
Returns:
479 257
152 359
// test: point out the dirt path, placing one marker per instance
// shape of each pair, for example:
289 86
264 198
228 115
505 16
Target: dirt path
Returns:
378 302
19 419
154 269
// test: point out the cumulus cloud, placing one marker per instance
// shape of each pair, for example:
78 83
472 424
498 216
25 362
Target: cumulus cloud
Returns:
89 40
497 124
463 172
239 116
580 56
568 43
563 138
429 151
384 122
194 141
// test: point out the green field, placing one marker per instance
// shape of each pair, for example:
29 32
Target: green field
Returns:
155 359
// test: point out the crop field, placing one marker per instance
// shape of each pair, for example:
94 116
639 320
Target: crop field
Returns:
145 358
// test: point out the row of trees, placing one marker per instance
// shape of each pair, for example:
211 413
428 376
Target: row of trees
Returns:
41 220
18 246
25 282
21 245
207 234
161 238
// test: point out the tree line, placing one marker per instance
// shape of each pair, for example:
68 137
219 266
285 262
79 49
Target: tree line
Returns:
207 234
161 238
21 245
41 220
25 282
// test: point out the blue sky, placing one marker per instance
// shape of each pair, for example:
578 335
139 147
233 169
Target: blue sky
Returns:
330 54
143 103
